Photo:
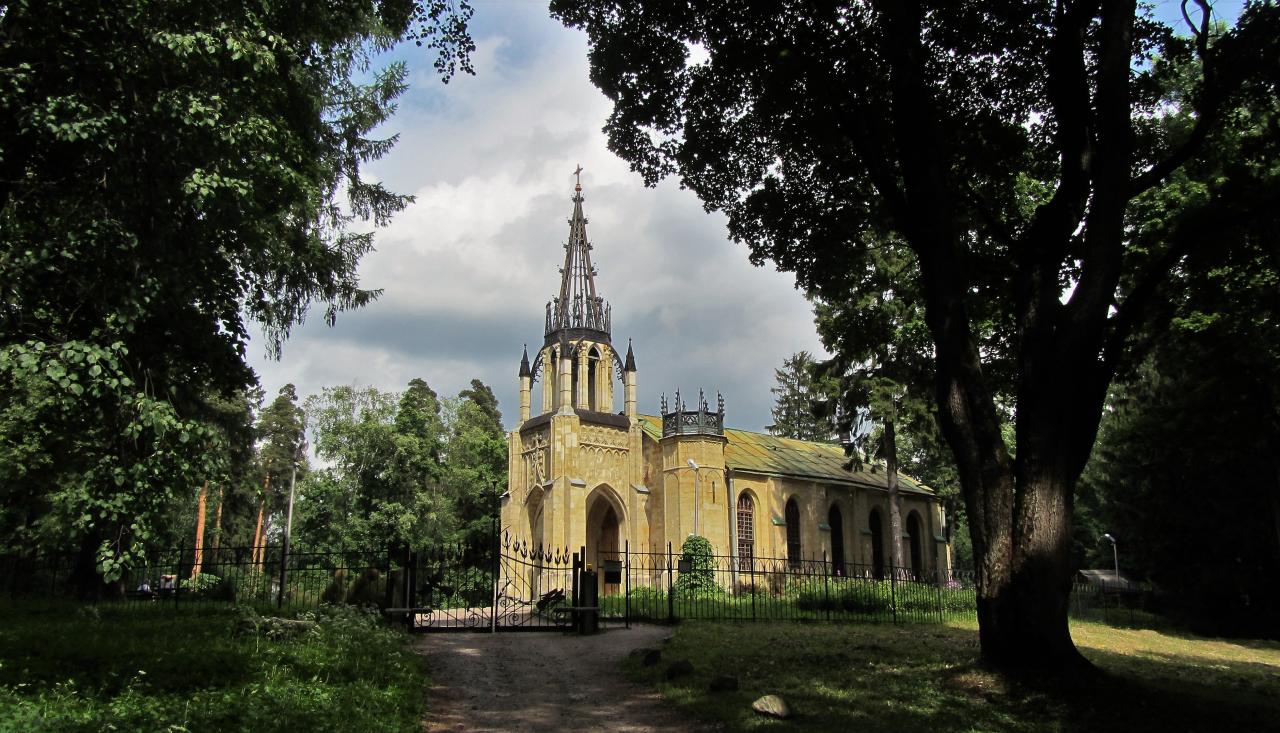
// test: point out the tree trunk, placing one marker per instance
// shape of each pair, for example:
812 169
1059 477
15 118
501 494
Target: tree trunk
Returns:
217 523
1025 623
200 507
258 536
891 483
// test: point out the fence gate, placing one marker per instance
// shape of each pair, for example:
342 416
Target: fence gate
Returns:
492 585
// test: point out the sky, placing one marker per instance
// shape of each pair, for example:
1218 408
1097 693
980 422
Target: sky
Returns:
467 269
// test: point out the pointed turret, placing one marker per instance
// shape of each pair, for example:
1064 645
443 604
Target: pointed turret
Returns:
577 309
526 384
630 366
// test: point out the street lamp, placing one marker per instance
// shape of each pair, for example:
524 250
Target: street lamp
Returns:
1115 555
697 497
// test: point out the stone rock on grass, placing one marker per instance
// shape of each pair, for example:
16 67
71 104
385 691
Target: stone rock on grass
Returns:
724 683
648 657
679 668
772 706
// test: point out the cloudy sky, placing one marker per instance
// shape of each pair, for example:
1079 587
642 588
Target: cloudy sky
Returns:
467 269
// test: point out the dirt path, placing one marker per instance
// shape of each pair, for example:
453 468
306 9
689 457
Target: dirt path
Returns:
543 682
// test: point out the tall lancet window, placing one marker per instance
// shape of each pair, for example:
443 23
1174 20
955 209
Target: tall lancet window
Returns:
746 532
593 369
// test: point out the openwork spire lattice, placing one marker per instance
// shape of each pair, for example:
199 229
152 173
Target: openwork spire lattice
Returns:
578 307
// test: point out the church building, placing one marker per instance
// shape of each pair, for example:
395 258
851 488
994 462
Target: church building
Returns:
588 469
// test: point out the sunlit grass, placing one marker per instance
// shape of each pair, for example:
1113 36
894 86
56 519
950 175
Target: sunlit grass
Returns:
888 678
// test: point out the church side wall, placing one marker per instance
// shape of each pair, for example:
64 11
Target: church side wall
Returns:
814 501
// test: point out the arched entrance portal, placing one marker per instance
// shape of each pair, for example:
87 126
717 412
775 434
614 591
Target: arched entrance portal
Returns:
605 521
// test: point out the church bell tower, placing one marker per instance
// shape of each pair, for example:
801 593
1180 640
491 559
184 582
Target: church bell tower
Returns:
575 454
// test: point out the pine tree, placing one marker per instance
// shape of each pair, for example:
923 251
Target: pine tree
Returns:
796 397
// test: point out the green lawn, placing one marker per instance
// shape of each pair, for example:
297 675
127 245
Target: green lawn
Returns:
925 678
153 668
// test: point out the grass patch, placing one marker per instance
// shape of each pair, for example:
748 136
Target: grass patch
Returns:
68 668
917 678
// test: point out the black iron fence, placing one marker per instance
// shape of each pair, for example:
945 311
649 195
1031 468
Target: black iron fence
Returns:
507 585
225 575
666 586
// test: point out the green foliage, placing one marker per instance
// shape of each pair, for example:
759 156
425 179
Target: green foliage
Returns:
191 168
1012 149
700 579
160 669
403 468
201 583
799 398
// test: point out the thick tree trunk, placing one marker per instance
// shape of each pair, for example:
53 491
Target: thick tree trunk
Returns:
1024 622
200 507
891 483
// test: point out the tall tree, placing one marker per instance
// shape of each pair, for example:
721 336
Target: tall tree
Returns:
280 433
797 397
476 461
1004 143
169 172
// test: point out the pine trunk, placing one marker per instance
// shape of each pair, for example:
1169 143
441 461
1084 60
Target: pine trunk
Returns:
258 535
200 508
895 507
217 524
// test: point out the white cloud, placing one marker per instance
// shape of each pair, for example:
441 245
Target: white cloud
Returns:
467 269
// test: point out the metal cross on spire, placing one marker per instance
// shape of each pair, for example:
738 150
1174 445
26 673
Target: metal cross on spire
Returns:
578 174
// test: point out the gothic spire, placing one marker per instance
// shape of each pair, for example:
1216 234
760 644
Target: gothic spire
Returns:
524 363
577 307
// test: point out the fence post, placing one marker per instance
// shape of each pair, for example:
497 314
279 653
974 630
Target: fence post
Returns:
389 590
626 579
177 581
671 599
753 587
497 573
284 559
826 584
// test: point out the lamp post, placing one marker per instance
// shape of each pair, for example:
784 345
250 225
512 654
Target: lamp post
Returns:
697 497
1115 556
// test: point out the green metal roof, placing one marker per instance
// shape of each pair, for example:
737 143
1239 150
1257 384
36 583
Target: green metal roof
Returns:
768 454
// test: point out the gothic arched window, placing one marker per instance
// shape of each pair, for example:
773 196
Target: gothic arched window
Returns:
877 543
746 531
836 522
793 533
913 535
593 368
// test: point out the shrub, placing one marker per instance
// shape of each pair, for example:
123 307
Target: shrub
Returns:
201 583
700 580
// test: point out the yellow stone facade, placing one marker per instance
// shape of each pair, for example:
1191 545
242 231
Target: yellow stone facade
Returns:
584 476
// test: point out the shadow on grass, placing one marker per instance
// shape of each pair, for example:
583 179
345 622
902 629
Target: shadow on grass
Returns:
72 668
177 650
884 678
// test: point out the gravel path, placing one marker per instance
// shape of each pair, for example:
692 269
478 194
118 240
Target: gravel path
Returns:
543 682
